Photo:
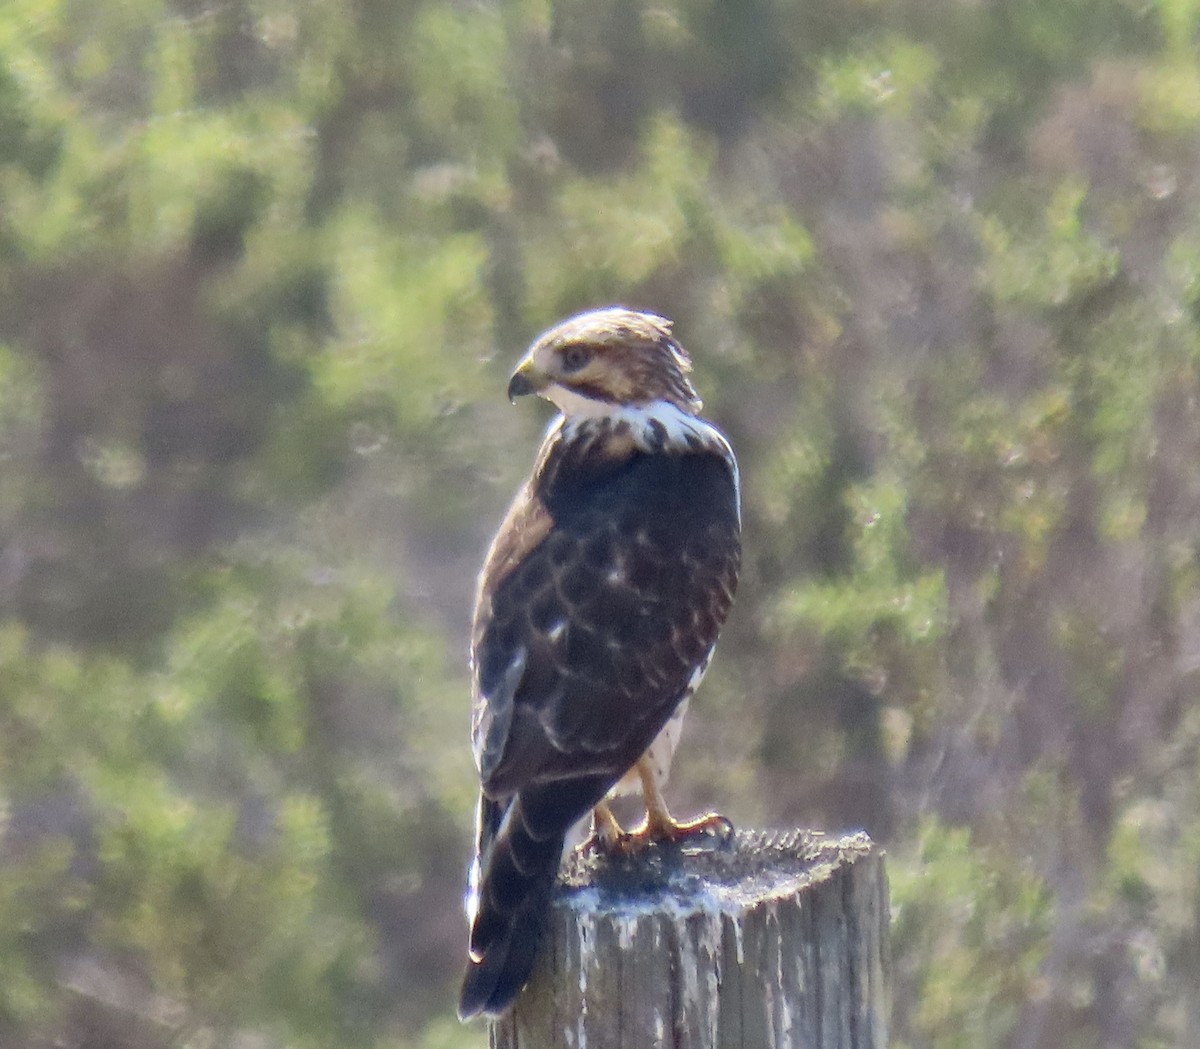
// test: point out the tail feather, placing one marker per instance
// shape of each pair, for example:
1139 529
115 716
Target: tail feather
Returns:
495 975
519 851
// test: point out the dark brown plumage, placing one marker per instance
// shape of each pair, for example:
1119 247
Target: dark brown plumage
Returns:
597 611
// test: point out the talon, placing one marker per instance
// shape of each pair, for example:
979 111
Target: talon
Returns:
728 834
710 826
661 826
632 842
607 837
592 845
710 831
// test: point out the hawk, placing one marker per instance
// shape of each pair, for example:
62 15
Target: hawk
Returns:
596 615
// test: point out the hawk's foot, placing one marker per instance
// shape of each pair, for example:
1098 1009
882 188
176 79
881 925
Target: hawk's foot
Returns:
660 827
709 831
711 828
607 833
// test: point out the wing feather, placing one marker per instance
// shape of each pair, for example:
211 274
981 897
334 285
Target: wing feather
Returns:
621 588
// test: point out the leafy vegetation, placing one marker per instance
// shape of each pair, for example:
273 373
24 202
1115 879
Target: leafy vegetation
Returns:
263 268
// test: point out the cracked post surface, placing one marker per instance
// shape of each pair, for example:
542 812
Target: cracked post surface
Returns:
777 942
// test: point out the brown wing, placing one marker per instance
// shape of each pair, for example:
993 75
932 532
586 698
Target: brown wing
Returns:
588 637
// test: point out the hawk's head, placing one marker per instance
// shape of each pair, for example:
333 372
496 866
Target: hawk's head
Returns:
606 359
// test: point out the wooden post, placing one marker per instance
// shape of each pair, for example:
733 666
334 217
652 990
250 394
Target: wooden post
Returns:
779 942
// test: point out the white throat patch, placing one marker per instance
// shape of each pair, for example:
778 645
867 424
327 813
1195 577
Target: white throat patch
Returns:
575 405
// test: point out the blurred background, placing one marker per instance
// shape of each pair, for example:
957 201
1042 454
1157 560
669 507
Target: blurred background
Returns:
264 268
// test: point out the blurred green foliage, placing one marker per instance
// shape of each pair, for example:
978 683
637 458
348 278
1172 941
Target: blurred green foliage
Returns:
263 268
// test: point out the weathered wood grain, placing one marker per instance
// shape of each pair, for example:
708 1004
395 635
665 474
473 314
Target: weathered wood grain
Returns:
779 942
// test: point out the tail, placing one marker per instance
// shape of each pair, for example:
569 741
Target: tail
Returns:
519 850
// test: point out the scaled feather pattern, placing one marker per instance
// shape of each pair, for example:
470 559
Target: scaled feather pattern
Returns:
596 614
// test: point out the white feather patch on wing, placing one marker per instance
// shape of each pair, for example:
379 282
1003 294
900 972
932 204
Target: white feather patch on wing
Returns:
493 714
471 900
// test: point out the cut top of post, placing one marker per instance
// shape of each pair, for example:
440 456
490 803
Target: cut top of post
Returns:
758 865
776 942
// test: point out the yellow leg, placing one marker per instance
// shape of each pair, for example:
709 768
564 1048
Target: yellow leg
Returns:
660 826
607 832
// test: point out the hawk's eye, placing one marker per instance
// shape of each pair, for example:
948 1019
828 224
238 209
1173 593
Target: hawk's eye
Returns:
575 357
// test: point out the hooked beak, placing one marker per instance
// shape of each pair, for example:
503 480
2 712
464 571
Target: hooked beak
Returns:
525 380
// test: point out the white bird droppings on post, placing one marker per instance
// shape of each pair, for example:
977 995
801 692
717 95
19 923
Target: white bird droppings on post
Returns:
626 927
717 950
585 924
